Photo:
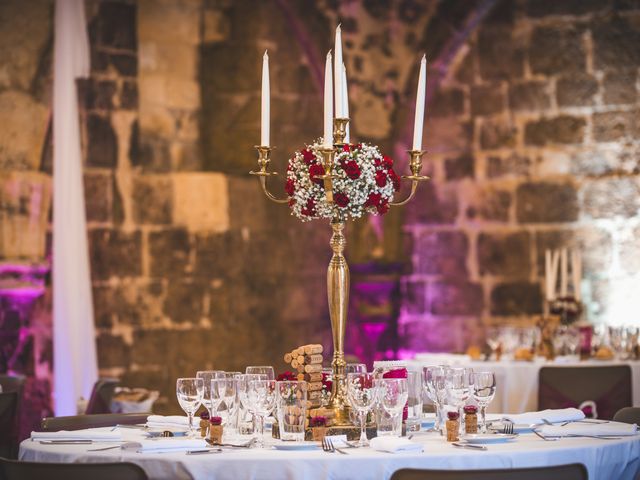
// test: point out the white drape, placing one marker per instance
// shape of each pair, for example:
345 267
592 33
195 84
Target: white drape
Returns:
74 351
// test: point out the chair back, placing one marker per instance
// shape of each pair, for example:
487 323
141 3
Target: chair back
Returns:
8 425
13 383
628 415
574 471
80 422
101 396
609 387
15 470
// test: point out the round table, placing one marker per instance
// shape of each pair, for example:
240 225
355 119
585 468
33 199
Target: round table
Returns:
604 459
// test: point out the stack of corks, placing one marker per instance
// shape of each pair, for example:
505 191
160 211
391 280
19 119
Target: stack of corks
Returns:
307 360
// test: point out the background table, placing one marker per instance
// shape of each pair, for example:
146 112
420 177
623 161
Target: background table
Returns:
517 382
604 459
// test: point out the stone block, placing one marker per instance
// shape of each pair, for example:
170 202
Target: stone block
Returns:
487 99
170 253
459 167
568 47
219 255
128 99
439 333
112 351
447 102
543 8
564 129
615 41
500 54
546 202
578 90
115 25
614 126
185 301
414 296
496 134
441 253
150 152
630 252
98 196
102 145
96 94
169 91
125 64
532 96
488 203
103 302
504 254
152 199
610 197
115 253
447 134
201 201
180 18
512 165
177 59
222 73
620 87
599 162
433 205
595 245
456 298
21 138
518 298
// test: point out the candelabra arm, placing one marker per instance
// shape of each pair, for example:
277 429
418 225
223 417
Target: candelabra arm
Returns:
415 165
270 196
414 187
264 157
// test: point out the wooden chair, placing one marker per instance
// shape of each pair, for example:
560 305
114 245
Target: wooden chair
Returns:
628 415
609 387
15 470
574 471
13 383
8 425
101 396
80 422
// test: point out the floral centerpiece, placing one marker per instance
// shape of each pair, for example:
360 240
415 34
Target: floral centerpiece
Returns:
364 182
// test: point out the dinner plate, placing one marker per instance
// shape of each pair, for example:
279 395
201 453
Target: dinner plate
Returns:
296 446
428 421
480 438
177 432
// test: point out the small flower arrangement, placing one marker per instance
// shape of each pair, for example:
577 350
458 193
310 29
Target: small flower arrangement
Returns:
287 376
365 183
318 421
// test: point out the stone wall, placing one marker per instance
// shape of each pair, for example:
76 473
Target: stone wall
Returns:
532 131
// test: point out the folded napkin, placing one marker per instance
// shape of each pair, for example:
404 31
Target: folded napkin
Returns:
167 421
166 445
98 434
553 416
394 445
613 429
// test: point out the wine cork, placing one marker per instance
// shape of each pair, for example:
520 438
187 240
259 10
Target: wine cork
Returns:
295 363
287 358
310 377
314 403
314 395
300 368
321 412
313 368
312 387
312 349
310 359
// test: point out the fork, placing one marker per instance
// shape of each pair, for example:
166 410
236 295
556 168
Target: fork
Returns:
508 428
548 439
327 446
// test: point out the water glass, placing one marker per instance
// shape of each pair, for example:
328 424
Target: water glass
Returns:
189 392
261 370
484 389
207 376
291 403
261 397
435 385
361 393
243 410
459 382
414 402
392 394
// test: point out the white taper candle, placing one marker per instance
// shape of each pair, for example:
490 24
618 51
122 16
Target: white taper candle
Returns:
266 103
337 73
328 104
345 103
420 99
564 272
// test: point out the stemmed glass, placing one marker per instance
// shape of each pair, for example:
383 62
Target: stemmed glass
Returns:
436 388
243 406
221 388
189 392
261 395
361 393
459 381
484 389
207 398
261 370
392 395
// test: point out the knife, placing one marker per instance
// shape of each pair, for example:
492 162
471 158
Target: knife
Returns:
469 446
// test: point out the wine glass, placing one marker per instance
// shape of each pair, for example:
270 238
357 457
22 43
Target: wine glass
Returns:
459 381
261 396
355 368
361 393
242 405
207 376
484 389
220 389
261 370
392 395
189 392
435 385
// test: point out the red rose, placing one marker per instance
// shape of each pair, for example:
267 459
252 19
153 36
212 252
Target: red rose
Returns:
346 147
327 383
358 146
341 199
292 202
377 162
310 209
373 200
388 161
287 376
381 178
395 179
352 169
395 373
383 207
308 156
289 187
316 169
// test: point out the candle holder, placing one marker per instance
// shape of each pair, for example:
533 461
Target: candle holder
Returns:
338 269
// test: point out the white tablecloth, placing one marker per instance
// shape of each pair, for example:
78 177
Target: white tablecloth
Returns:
517 382
604 459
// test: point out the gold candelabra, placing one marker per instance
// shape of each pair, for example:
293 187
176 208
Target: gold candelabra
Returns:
338 270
